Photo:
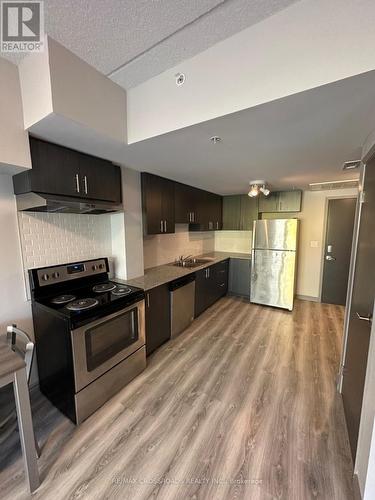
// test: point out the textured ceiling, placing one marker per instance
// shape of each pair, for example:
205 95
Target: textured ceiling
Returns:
289 142
141 38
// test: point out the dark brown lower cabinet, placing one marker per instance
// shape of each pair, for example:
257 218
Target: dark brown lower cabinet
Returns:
158 317
211 283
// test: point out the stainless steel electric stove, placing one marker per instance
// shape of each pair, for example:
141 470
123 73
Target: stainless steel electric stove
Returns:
89 332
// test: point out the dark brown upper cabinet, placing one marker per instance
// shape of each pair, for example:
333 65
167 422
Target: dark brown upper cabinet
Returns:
166 203
210 211
186 203
62 171
158 203
100 179
200 209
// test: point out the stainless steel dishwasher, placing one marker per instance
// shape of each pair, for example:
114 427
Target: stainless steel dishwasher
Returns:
182 294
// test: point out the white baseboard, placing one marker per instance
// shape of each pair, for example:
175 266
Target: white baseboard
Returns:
307 297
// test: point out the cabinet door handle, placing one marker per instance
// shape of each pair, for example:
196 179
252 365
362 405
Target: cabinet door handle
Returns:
85 185
192 217
217 225
148 300
161 226
165 226
77 182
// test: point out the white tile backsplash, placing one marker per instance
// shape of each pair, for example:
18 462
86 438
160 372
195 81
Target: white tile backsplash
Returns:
164 248
233 241
48 239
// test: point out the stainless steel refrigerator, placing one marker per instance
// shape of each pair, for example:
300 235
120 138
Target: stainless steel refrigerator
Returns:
274 262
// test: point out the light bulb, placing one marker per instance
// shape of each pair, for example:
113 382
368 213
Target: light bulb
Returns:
254 191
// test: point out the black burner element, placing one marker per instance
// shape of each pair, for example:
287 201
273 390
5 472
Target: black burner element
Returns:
81 304
63 299
121 290
104 287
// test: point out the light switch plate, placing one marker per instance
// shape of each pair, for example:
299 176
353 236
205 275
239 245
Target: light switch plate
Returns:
314 244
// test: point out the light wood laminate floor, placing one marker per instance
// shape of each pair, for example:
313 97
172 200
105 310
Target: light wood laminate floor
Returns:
241 406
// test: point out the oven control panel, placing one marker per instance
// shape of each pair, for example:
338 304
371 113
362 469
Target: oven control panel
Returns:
66 272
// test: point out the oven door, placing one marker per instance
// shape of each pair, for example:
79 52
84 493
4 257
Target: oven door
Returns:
100 345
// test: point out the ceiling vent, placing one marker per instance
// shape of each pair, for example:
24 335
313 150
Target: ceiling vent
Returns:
323 186
352 165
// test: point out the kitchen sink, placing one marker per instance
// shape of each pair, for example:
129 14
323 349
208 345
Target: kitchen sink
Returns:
192 262
205 260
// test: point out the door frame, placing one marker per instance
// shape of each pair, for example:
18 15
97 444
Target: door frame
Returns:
324 239
353 261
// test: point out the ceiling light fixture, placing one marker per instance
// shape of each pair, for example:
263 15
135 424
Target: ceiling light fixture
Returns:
257 187
265 191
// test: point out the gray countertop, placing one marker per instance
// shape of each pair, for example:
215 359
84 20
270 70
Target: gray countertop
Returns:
156 276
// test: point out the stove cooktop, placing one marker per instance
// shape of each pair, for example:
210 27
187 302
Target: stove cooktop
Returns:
81 292
91 299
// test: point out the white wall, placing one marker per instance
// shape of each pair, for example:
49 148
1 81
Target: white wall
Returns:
311 238
233 241
14 144
127 231
164 248
131 188
310 43
61 92
313 218
85 95
14 307
36 90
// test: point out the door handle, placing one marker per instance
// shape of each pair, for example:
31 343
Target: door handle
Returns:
161 226
165 226
85 184
148 300
77 182
365 318
330 258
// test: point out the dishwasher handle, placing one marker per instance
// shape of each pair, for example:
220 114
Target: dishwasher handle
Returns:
180 282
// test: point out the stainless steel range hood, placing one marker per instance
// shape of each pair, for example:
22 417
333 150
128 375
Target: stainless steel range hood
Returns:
40 202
